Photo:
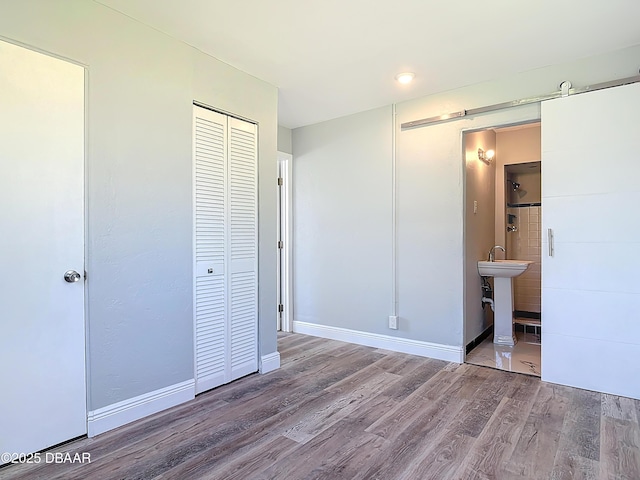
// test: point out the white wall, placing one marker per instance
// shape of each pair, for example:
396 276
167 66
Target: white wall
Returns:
478 228
141 85
430 211
284 139
342 222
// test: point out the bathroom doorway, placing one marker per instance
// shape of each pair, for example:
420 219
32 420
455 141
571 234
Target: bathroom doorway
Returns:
503 210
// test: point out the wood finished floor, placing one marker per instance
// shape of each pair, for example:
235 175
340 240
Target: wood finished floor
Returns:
341 411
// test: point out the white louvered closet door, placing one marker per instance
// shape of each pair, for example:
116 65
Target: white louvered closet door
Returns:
243 291
225 249
211 336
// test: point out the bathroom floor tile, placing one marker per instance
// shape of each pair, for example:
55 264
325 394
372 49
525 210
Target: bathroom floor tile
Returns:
521 358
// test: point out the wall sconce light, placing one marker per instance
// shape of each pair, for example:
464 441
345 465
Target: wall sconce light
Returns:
487 156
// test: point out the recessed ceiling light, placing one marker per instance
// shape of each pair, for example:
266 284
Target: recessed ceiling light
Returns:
405 77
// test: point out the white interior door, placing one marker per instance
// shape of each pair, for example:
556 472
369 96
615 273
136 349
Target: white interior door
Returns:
42 345
590 287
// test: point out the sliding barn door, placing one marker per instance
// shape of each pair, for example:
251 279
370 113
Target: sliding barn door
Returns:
225 248
590 259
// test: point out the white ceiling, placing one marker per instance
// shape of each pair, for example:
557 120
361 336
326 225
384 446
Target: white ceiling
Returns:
331 58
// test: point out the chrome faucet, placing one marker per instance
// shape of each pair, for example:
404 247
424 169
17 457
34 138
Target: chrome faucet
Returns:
492 252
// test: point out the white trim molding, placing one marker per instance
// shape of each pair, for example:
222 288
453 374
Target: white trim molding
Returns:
447 353
285 222
269 362
114 416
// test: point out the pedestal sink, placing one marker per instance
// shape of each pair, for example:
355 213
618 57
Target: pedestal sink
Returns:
503 272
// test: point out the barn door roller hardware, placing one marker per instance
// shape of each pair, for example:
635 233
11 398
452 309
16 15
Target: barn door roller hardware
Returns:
565 90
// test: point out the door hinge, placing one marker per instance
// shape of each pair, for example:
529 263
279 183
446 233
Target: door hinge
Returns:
280 181
280 308
280 244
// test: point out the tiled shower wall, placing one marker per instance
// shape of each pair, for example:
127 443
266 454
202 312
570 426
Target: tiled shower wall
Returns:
525 244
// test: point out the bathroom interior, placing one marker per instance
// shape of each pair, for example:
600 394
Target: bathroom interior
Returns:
503 214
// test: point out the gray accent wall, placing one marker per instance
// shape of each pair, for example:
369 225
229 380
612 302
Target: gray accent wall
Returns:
342 205
140 88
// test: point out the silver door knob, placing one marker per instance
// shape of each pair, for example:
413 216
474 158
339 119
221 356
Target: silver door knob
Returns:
71 276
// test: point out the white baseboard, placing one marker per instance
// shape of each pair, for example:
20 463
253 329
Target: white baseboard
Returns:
113 416
269 362
448 353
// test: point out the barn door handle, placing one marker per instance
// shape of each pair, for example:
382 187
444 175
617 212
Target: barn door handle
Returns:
550 236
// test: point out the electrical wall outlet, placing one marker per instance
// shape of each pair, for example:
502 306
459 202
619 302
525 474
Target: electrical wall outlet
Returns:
393 322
